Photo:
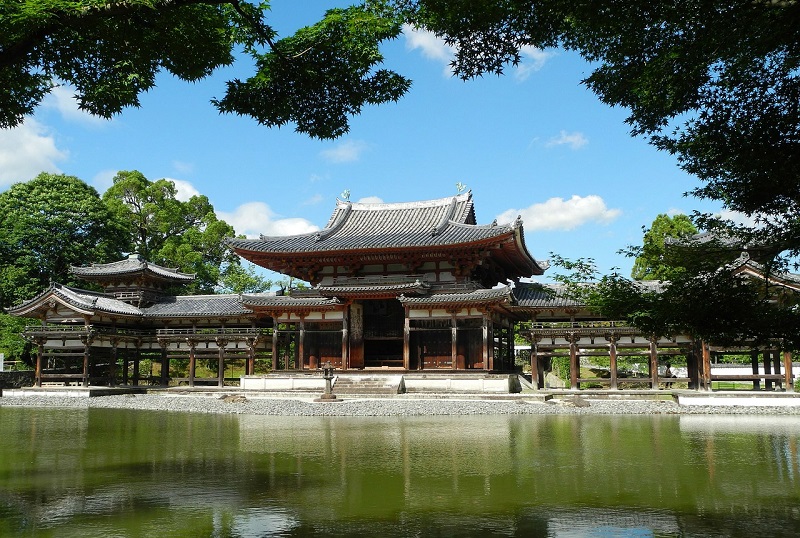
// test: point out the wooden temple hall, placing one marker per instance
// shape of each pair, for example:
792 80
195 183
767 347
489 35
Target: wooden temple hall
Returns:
400 287
407 286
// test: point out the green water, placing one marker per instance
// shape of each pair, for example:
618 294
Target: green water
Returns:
121 473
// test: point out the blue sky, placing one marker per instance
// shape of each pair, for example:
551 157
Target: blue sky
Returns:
533 143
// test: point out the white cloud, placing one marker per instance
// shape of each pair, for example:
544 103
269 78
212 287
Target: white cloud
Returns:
533 59
62 99
560 214
347 151
370 200
183 189
574 140
27 150
255 218
432 47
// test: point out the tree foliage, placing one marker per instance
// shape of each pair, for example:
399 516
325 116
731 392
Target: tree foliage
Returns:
170 232
112 51
48 224
651 258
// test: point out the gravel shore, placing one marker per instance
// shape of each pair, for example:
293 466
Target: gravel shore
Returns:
282 406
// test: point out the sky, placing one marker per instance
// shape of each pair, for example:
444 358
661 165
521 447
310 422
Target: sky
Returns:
533 143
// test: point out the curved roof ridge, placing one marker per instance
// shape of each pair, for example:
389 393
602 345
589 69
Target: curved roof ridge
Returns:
446 218
463 197
339 218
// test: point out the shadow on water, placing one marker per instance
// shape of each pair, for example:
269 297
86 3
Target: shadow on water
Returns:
112 472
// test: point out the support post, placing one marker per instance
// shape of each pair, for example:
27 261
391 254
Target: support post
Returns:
536 380
406 341
275 360
136 359
612 360
192 360
574 363
301 344
776 365
754 366
453 340
653 363
768 368
346 338
788 375
86 340
221 343
114 358
164 364
486 343
39 357
706 365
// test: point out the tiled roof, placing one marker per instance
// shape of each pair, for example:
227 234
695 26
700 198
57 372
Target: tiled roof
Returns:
197 306
532 295
365 228
355 226
133 264
365 288
271 300
83 300
483 296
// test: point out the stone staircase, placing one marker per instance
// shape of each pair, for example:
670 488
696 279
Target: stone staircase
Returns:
368 384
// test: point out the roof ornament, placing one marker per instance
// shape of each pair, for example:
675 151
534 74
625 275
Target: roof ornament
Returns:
460 187
345 195
494 223
518 222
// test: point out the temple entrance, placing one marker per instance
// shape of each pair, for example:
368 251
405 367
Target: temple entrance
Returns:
383 333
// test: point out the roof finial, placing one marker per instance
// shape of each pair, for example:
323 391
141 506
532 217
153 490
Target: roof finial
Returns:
460 187
345 195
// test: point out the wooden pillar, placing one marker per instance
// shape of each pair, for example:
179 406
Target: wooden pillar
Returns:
164 365
275 359
300 361
114 358
574 363
486 343
406 341
251 356
136 359
612 360
453 340
768 368
653 363
221 343
346 338
706 366
125 367
788 374
536 378
754 365
87 342
490 340
40 342
192 360
776 365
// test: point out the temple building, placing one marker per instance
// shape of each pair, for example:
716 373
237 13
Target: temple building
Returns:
410 288
405 286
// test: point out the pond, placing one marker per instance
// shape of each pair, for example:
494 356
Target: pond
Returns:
99 472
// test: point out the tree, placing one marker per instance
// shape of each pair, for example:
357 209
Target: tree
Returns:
111 52
651 262
46 225
174 233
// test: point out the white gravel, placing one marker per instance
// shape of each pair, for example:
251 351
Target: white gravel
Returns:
398 406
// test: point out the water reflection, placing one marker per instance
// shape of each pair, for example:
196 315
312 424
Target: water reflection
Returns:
105 472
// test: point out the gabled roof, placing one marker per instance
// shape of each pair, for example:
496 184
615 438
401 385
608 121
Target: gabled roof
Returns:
83 301
272 301
543 296
133 265
744 265
500 294
361 228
